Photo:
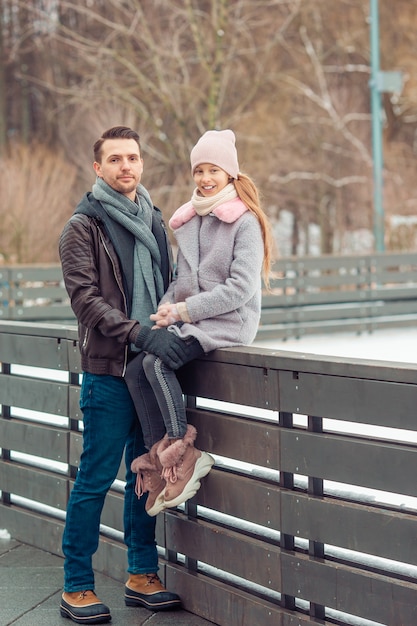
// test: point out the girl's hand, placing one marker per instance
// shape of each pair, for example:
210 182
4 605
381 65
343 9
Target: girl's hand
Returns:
166 314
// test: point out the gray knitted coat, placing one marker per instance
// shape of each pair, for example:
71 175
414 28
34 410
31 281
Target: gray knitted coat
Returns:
218 274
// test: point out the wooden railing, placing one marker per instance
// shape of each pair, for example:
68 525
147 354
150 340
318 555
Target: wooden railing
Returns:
33 293
309 294
340 293
309 515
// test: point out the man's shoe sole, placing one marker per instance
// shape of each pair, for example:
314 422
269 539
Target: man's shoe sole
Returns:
160 601
100 616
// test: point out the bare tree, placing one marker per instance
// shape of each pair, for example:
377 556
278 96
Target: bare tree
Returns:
3 105
176 68
327 132
289 76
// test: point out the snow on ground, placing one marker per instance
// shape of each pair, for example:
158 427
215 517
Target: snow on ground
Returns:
394 344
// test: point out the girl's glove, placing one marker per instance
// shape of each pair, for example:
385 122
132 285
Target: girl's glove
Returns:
161 342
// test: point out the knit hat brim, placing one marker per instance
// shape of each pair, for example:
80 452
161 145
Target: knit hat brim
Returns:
216 147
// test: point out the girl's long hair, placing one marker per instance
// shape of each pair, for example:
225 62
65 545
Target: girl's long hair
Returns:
248 193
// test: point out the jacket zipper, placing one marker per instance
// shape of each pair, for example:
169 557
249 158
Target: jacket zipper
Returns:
85 339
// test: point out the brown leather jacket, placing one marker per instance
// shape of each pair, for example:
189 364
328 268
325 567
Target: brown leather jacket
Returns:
97 262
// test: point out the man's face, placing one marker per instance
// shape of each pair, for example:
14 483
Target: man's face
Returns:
121 165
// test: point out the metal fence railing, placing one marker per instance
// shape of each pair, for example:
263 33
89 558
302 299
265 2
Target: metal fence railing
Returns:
309 515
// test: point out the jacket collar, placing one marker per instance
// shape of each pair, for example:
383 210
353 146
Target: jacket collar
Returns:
227 212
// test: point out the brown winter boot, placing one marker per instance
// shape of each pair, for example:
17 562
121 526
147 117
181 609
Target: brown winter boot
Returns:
84 607
149 471
146 590
183 466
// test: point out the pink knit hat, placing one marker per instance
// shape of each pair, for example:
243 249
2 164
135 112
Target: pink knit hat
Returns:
216 147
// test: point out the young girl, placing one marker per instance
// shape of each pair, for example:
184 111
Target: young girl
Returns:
224 248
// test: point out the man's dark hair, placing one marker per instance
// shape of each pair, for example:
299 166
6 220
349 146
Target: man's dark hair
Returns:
117 132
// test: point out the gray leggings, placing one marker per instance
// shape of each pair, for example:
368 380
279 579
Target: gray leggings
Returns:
157 395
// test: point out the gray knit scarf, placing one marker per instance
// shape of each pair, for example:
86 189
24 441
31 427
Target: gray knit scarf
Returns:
136 217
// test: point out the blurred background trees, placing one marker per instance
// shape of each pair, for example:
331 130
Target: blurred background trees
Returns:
290 77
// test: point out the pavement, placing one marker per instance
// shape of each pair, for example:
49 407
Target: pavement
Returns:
31 587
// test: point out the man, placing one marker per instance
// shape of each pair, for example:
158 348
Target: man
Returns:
116 265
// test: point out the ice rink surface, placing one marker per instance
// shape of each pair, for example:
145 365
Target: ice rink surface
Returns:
397 344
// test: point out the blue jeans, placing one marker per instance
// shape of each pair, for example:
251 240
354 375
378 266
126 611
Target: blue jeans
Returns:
110 427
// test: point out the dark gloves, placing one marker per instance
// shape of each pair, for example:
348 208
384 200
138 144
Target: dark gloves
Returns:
163 343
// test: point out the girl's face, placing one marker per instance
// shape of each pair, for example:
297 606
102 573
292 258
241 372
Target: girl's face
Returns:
210 179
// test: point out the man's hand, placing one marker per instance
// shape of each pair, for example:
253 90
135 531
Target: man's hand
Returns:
168 346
